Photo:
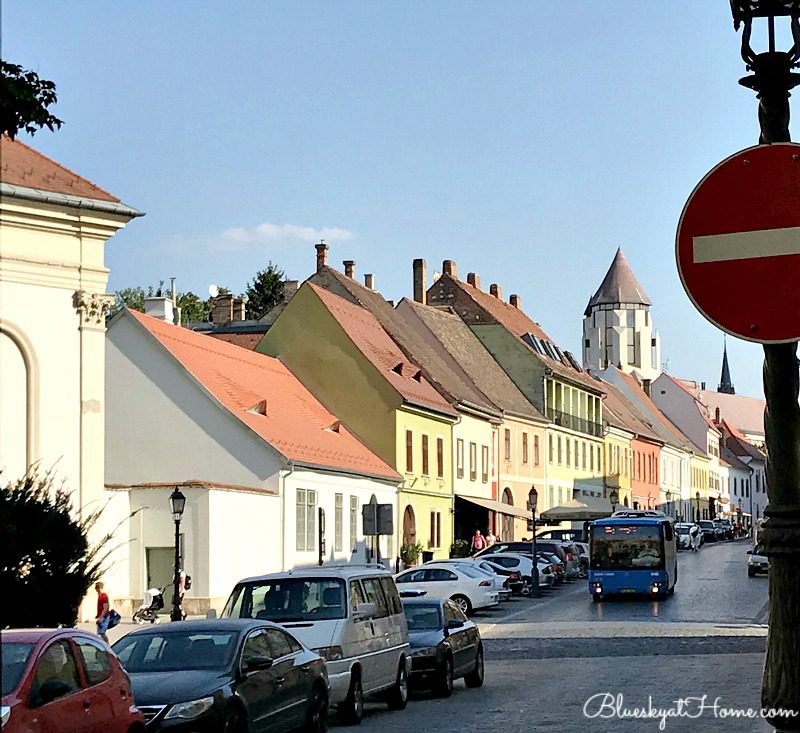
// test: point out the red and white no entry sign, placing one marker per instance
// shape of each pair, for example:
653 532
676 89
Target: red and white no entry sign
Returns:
738 244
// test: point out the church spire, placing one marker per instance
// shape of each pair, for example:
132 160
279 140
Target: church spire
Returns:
725 384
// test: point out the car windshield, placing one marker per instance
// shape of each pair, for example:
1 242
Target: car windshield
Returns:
176 650
15 657
423 617
682 530
631 546
289 599
707 524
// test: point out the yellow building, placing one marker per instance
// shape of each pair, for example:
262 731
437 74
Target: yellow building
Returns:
340 352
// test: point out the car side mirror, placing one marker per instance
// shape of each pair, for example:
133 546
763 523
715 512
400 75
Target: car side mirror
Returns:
211 613
254 664
364 611
52 690
455 623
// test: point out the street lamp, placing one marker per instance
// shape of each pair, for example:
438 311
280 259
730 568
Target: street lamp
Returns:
697 510
772 79
613 497
533 498
177 503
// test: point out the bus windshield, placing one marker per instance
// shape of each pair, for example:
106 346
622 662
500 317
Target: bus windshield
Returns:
627 547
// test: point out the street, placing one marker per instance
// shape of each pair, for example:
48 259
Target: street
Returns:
546 658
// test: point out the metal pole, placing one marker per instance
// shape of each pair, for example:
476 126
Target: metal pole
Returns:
536 592
177 612
780 539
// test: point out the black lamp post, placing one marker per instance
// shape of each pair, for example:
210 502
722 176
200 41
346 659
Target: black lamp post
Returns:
177 503
533 497
613 497
697 510
772 79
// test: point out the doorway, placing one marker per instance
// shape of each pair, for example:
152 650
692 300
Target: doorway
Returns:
159 568
409 526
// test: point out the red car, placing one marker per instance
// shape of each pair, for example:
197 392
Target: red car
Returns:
64 680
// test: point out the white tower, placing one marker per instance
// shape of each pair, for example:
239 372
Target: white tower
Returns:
617 328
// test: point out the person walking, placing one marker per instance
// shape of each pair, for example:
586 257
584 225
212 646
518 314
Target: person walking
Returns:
103 617
478 542
490 538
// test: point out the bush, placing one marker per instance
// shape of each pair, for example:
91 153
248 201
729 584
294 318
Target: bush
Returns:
46 562
460 548
409 554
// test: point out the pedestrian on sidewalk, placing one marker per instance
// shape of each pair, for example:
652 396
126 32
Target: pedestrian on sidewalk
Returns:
478 542
103 618
490 538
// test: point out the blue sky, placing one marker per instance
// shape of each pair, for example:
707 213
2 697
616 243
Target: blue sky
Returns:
525 140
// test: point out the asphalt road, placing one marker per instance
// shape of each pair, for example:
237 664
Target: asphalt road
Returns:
563 663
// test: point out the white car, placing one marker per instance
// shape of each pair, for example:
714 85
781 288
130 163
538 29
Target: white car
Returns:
523 564
479 564
756 564
469 588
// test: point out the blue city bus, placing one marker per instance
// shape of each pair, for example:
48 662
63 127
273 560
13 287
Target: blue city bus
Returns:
633 552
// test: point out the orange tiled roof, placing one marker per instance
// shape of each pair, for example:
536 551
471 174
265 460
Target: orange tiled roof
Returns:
21 165
269 399
371 340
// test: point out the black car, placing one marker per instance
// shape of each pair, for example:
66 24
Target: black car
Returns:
225 676
445 645
709 530
726 527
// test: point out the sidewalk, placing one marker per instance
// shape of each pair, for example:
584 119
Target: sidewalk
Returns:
125 627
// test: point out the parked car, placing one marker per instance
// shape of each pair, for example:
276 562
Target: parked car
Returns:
560 574
709 530
445 645
726 527
574 535
467 588
500 582
52 676
689 536
556 547
524 565
497 547
351 615
224 675
756 564
514 578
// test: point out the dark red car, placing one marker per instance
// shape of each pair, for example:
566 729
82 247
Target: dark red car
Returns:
64 680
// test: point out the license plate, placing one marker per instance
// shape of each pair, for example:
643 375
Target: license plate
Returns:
627 590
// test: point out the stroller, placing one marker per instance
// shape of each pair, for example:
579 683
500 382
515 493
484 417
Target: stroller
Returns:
153 602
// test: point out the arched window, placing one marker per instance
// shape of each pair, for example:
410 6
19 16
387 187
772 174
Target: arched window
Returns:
508 521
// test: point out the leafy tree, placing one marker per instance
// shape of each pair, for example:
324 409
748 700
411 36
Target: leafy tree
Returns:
24 99
265 292
133 298
47 564
193 308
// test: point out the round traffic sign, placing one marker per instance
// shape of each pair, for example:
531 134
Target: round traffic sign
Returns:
738 244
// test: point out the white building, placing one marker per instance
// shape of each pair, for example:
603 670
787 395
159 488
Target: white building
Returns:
617 328
254 452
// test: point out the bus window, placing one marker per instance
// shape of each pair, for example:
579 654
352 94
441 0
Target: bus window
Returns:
627 547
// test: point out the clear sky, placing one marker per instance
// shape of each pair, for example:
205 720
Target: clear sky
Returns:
525 140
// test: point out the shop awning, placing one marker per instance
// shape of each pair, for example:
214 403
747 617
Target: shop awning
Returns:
579 511
496 506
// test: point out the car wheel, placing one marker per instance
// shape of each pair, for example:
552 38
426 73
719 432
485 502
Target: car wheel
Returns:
352 709
234 721
475 678
463 604
398 695
444 686
751 573
317 713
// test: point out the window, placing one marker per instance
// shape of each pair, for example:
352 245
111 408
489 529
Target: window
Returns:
306 519
535 450
393 601
357 596
425 466
473 462
440 574
257 645
576 453
507 446
485 463
583 455
460 458
409 452
372 587
55 663
524 447
338 521
559 450
95 661
439 457
279 643
569 451
550 456
353 522
436 530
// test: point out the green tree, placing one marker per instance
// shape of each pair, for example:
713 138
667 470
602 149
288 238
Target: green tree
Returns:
193 308
24 99
265 292
132 298
47 564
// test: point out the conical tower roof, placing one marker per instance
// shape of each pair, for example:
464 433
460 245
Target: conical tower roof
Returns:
619 286
725 384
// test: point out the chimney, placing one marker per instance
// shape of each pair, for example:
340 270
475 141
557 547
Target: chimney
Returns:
420 280
349 268
290 287
449 268
369 281
161 308
703 386
514 300
646 386
322 254
239 309
496 290
474 280
222 309
717 416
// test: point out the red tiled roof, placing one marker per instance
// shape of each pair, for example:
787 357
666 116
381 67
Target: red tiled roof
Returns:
245 340
747 413
371 340
21 165
295 423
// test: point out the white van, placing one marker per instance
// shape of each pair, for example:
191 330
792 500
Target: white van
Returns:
349 614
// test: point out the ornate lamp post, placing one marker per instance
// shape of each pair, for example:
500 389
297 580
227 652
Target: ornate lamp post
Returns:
772 79
177 503
613 497
533 498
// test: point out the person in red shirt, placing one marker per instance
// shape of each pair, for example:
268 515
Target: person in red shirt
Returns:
103 608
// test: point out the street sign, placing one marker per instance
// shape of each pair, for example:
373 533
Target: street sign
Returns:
738 244
378 519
